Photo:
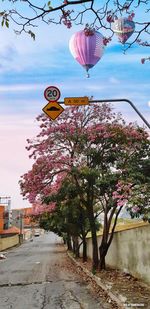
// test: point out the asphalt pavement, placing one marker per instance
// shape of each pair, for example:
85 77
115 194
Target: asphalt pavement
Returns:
38 275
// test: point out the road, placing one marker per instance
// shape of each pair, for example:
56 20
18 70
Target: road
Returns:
39 275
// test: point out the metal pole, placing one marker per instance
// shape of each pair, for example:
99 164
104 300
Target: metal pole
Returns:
128 101
20 224
21 229
120 100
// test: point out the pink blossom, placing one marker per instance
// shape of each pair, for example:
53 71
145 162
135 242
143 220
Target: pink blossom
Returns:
110 18
131 16
38 208
65 143
121 203
106 41
135 209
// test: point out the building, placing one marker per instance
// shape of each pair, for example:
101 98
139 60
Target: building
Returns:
16 218
2 210
21 218
27 220
5 201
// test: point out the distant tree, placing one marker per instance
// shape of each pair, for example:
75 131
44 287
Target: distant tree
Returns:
78 219
28 14
64 214
139 206
73 215
56 221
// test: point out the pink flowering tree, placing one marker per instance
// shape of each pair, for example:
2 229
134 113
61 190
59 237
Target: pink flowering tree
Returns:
25 15
57 152
121 156
38 208
104 157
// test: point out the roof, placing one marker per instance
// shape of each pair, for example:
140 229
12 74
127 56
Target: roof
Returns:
11 230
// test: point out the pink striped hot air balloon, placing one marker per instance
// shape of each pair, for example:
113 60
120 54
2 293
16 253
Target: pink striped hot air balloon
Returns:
124 28
87 47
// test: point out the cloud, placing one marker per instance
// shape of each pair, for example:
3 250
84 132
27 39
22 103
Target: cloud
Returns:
26 107
114 81
8 52
21 87
29 98
14 159
149 103
26 53
124 58
8 55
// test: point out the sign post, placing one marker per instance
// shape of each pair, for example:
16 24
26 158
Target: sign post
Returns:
69 102
52 109
52 94
76 101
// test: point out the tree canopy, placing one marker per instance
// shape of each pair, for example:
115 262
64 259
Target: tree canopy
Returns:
104 159
25 15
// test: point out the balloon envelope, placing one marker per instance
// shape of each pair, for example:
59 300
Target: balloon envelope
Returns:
86 49
124 28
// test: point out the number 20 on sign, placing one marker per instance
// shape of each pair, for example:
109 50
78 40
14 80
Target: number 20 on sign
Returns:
52 94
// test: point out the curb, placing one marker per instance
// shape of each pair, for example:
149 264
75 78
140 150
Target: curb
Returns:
97 280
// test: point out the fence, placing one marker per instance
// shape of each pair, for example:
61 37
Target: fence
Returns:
8 242
129 251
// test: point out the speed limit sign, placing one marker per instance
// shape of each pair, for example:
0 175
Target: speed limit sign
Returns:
52 93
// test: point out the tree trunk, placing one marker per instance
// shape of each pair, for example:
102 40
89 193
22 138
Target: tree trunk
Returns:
102 252
77 254
84 243
94 239
107 238
84 257
75 246
69 244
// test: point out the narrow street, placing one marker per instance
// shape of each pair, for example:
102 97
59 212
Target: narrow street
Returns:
39 275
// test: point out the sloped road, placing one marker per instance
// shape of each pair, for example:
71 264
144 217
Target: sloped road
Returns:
39 275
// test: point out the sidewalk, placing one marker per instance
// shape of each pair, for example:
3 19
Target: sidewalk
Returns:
121 288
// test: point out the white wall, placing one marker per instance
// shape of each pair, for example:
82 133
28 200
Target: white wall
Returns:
129 251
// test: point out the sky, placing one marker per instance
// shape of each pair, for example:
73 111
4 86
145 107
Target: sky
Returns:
27 67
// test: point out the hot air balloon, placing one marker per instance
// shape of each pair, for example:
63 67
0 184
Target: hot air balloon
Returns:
87 47
124 28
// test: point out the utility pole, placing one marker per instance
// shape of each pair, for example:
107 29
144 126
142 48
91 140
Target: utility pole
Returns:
21 228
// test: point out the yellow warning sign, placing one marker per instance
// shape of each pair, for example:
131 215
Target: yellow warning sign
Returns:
76 101
53 110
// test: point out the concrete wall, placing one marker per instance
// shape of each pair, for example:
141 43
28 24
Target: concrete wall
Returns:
129 251
8 242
